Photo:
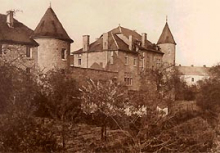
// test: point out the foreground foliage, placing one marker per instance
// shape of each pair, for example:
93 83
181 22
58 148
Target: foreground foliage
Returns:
19 131
141 129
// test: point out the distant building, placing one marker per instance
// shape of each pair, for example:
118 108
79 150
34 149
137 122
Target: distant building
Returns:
168 46
120 54
193 74
120 50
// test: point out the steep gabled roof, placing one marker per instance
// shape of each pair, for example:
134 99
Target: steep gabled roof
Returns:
18 34
118 40
166 36
51 27
192 70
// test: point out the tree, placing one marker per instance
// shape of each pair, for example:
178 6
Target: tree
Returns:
209 93
20 130
104 100
159 84
60 97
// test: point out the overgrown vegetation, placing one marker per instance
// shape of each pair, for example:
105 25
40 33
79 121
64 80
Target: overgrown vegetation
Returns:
128 121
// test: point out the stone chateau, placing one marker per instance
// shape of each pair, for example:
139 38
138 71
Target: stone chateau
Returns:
119 54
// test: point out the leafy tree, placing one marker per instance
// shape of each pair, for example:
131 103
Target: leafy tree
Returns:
209 93
20 131
60 98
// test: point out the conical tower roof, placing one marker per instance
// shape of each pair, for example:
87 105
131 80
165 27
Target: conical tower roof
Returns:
51 27
166 36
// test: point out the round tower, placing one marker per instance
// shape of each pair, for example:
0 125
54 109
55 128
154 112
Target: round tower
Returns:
54 43
168 46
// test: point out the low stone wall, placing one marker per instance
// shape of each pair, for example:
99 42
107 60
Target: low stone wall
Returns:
83 74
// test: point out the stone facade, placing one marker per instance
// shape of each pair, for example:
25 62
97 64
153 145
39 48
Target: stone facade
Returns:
120 50
54 43
169 51
121 53
23 56
126 65
53 54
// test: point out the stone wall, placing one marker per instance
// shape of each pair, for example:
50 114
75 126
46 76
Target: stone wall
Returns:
83 74
16 55
114 61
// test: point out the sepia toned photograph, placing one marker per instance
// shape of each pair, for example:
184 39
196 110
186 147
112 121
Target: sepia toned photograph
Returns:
109 76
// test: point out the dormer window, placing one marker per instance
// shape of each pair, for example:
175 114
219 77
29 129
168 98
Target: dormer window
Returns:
63 53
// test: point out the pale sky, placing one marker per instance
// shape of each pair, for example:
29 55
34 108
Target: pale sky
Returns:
195 24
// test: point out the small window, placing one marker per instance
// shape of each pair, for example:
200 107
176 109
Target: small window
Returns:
28 52
112 58
0 49
142 60
135 61
63 53
128 79
126 59
79 59
158 63
28 70
63 71
148 61
192 79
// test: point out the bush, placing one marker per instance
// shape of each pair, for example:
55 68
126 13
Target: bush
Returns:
20 133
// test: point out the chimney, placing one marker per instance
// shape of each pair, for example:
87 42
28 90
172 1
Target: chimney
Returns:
143 40
10 19
105 41
130 42
85 42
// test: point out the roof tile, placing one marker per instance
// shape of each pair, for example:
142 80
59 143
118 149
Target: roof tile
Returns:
192 70
116 41
166 36
50 26
19 34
